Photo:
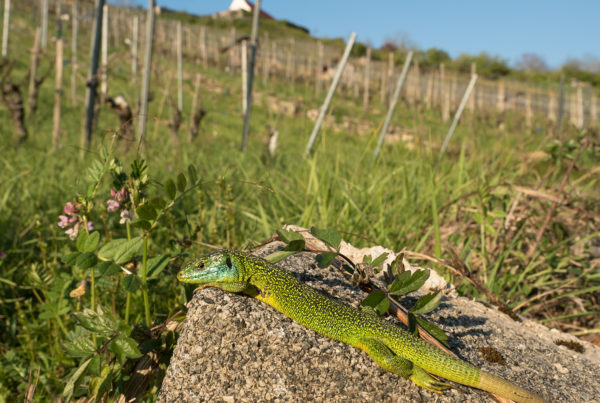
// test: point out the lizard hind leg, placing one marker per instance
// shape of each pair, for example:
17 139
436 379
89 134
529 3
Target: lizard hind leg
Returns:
386 359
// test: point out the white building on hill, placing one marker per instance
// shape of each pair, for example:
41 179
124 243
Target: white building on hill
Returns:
237 7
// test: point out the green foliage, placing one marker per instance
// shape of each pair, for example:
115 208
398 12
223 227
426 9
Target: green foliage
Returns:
408 282
487 66
330 236
233 200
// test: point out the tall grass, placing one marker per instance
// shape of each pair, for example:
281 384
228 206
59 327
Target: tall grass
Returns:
407 199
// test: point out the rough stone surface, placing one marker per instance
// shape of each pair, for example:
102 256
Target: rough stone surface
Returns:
233 348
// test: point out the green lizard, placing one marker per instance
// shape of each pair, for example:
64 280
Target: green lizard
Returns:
390 346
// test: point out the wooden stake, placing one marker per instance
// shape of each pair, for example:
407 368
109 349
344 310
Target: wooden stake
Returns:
393 103
74 64
253 44
388 80
44 24
273 60
266 59
367 80
134 48
580 113
195 114
143 113
429 91
471 105
334 83
244 50
179 67
319 69
104 56
5 28
528 111
35 59
593 110
232 51
92 79
203 47
561 105
500 100
417 81
57 80
551 106
458 113
445 94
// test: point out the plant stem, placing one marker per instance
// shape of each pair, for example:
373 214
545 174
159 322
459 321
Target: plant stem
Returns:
93 288
144 282
128 301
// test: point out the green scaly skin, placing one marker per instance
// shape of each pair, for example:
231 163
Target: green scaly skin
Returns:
390 346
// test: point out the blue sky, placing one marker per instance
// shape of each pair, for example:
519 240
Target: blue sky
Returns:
555 30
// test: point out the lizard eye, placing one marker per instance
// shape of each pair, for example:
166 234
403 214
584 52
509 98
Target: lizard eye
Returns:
228 262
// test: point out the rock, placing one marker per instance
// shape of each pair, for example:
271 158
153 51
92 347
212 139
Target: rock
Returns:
235 347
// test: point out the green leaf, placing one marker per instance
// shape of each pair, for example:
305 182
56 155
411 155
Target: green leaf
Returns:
158 203
99 386
325 259
434 331
107 268
132 283
330 236
96 321
397 266
170 188
81 238
427 303
383 306
86 260
412 324
146 212
373 299
71 258
88 243
142 224
379 259
94 367
288 236
405 282
74 379
156 265
121 250
124 347
80 347
193 174
295 246
181 182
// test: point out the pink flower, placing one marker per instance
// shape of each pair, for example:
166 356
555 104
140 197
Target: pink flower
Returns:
66 221
73 231
71 209
120 196
90 226
125 217
112 205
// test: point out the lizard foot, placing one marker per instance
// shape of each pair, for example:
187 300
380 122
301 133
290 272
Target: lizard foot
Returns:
428 381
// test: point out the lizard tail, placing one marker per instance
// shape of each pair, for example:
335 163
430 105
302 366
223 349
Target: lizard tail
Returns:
495 384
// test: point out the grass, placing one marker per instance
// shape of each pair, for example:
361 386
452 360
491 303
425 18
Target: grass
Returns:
409 199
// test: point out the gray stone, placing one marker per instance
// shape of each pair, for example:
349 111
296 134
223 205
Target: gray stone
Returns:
233 348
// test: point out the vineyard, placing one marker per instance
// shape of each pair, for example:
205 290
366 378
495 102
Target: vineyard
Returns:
101 202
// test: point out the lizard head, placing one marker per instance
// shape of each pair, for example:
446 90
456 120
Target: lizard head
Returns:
218 267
